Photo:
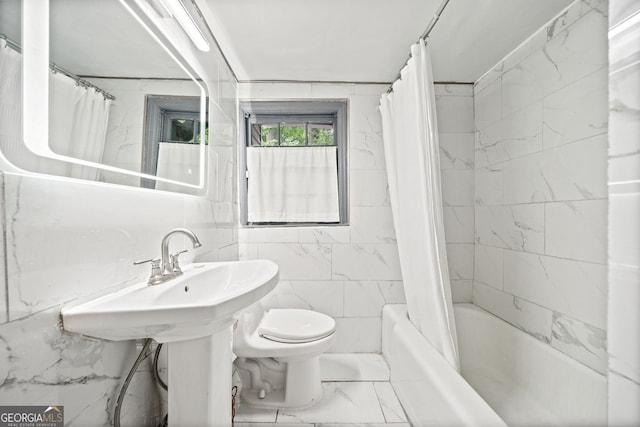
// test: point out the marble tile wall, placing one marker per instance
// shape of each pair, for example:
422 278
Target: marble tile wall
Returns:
63 239
624 211
454 109
350 272
540 185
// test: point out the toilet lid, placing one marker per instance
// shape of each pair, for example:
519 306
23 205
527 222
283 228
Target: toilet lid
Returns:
293 325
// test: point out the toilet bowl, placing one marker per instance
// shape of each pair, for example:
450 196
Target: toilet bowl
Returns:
278 356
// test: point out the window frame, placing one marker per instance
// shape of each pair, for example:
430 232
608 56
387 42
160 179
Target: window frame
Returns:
169 116
277 110
280 119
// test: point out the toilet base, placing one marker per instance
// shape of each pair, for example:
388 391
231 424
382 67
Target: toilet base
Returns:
295 386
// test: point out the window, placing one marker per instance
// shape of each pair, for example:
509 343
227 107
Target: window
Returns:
294 163
293 131
173 119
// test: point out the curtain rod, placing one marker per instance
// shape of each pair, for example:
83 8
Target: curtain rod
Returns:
424 36
56 69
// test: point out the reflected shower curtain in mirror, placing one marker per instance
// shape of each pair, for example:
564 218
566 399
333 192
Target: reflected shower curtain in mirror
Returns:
413 168
78 119
10 103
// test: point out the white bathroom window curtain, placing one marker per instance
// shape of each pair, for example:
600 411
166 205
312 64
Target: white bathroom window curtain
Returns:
411 147
175 162
292 184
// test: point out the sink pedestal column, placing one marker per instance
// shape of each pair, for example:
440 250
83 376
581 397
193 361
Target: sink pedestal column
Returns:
200 380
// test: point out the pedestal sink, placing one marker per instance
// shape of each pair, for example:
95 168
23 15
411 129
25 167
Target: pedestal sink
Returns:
193 314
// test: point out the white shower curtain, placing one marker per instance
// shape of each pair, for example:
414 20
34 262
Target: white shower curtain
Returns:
11 142
413 167
78 118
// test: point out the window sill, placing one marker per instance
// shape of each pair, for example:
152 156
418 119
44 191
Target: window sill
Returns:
295 224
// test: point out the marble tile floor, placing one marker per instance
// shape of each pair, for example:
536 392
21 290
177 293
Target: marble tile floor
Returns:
357 392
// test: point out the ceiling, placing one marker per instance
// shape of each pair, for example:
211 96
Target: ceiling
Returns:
96 38
369 40
300 40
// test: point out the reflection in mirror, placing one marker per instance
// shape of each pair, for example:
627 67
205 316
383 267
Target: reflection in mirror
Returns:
172 137
10 78
104 66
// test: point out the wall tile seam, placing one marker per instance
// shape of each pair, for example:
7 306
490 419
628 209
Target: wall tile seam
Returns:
626 377
542 122
542 254
546 341
541 202
383 241
467 168
564 144
549 309
226 246
537 152
447 205
541 99
437 97
490 285
460 132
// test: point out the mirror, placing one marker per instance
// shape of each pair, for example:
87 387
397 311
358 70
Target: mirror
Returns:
106 73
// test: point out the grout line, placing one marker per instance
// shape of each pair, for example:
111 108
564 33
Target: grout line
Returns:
542 254
375 390
541 99
534 203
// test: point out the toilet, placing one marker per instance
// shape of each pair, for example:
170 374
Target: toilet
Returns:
278 356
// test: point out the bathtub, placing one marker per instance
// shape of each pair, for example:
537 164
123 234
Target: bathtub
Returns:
508 377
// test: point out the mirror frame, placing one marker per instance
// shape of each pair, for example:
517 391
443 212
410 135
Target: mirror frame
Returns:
35 51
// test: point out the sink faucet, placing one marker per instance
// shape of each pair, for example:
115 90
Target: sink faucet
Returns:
168 266
169 261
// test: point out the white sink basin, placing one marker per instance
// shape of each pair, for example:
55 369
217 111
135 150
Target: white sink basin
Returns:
190 306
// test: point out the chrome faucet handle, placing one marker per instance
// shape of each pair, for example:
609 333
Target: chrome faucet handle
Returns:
167 262
175 261
156 269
